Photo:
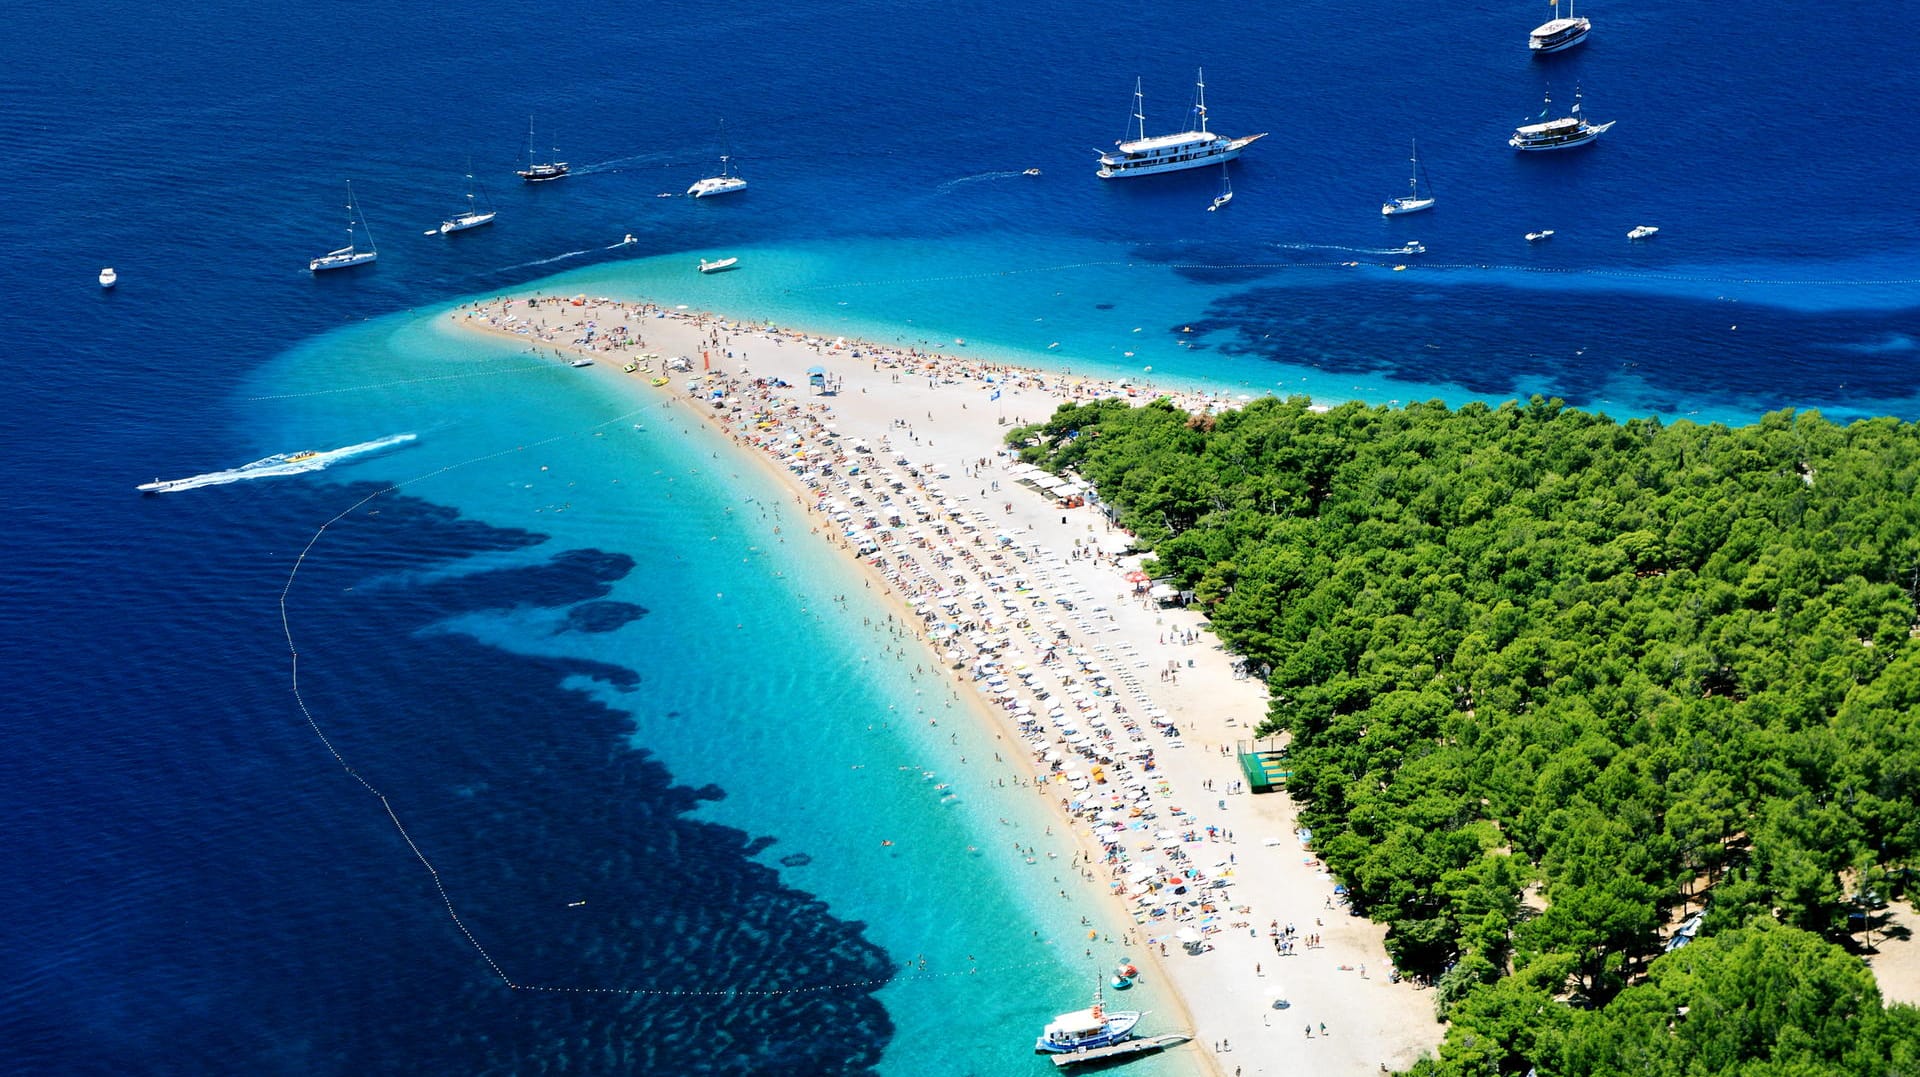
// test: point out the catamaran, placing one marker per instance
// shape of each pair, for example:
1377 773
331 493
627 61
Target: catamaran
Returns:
349 255
1562 134
474 217
540 172
1557 33
1411 202
1196 148
724 183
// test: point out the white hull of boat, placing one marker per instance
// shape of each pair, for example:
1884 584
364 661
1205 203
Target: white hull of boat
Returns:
1558 36
1405 205
108 278
720 266
714 185
1535 237
1643 232
341 260
1228 152
465 221
1585 137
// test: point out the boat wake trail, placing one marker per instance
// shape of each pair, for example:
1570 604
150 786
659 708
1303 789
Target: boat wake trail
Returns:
953 183
1348 250
546 261
277 466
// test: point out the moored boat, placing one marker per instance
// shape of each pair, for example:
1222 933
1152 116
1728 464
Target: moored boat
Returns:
108 278
1642 231
724 183
474 217
719 266
1557 33
1557 134
1095 1026
1412 201
351 254
1195 148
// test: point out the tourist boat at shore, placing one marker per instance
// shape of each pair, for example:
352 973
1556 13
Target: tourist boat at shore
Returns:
474 217
1642 231
720 266
1411 202
1196 148
108 278
349 255
543 171
724 183
1557 33
1093 1027
1562 134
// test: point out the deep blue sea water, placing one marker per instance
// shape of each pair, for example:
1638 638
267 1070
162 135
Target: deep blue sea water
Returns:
572 654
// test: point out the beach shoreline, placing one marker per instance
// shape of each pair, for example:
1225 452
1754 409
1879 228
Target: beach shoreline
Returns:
869 395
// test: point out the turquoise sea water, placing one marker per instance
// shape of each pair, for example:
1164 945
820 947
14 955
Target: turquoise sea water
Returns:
765 668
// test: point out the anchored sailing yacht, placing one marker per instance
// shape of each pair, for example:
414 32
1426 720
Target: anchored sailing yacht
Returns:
1557 33
1411 202
1197 148
1561 134
724 183
349 255
543 171
474 217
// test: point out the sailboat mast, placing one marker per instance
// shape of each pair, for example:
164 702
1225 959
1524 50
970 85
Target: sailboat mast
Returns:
1413 182
1139 107
529 141
1200 97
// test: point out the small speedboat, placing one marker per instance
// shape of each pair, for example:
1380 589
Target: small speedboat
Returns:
1413 246
720 266
1535 237
1124 974
108 278
157 486
1642 231
1031 172
582 361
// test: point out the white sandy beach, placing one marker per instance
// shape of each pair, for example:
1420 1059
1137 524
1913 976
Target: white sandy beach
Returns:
1060 651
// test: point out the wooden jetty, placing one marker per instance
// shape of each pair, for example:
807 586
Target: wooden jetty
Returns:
1146 1045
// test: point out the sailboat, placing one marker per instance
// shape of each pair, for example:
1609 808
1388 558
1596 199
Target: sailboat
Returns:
724 183
540 172
1226 191
474 217
1411 202
1557 33
349 255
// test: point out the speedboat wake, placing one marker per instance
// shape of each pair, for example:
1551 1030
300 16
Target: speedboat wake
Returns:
277 466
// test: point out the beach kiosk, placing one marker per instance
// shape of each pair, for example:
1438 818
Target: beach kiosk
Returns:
817 377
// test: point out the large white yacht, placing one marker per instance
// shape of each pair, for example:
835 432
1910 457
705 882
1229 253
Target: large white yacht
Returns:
1196 148
1557 33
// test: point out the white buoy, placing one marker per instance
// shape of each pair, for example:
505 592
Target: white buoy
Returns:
108 278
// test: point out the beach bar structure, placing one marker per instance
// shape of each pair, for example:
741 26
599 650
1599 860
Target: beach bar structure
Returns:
1263 763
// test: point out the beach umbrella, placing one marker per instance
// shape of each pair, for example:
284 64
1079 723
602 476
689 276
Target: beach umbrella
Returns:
1187 935
1137 576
